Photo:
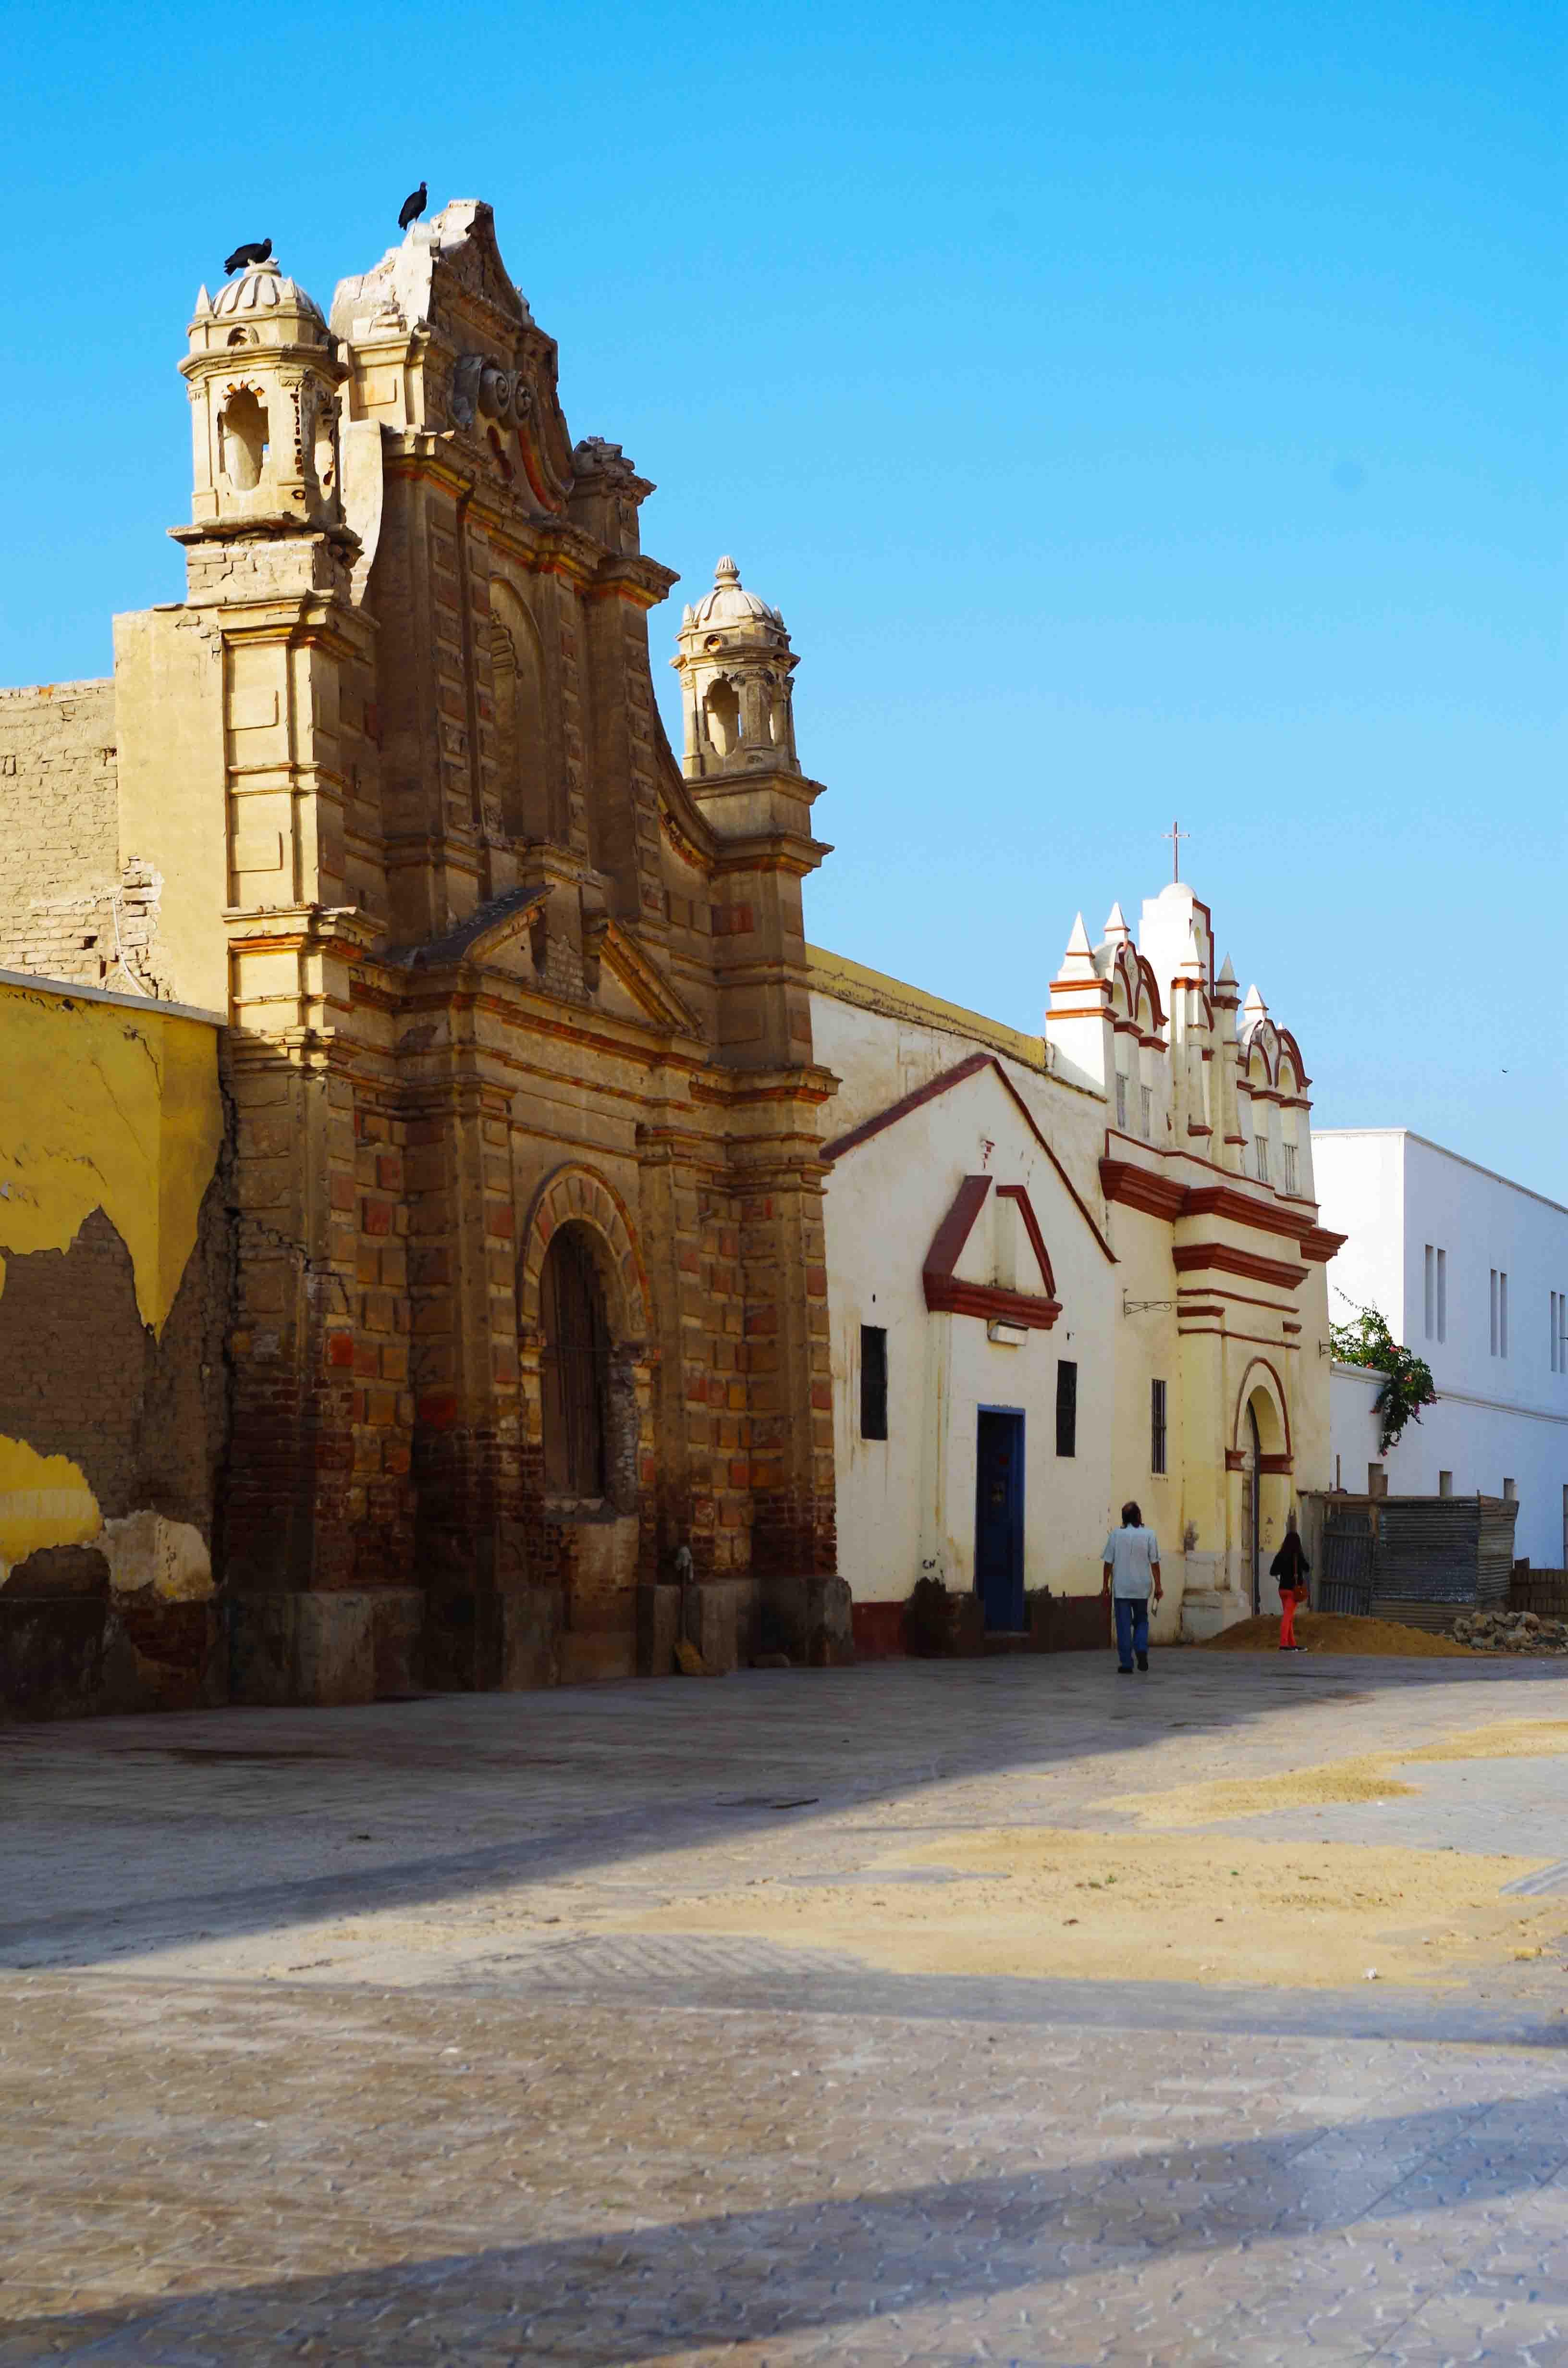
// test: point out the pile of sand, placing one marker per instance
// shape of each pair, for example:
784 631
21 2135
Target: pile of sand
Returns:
1336 1632
1146 1907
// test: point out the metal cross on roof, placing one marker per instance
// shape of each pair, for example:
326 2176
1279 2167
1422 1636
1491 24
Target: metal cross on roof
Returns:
1176 835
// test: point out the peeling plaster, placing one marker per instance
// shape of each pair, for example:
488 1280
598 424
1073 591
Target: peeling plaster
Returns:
44 1501
100 1108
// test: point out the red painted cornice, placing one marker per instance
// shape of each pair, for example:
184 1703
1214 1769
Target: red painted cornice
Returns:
945 1294
1162 1196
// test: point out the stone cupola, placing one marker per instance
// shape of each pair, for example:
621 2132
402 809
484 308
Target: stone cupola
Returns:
734 662
264 376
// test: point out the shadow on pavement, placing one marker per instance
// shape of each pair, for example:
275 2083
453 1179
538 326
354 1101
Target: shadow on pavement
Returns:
633 2293
213 1825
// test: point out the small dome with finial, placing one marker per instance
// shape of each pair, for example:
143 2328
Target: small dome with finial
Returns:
261 288
729 603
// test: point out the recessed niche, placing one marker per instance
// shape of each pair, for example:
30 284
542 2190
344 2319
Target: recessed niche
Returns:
242 426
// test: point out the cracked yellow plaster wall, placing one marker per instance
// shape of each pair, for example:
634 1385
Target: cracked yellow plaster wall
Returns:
102 1105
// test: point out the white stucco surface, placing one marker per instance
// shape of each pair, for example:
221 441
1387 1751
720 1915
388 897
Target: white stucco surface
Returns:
906 1504
1500 1416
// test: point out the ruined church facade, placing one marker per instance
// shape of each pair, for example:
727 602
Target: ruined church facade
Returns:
529 1315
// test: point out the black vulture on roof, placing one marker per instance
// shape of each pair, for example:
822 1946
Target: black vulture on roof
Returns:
258 250
413 207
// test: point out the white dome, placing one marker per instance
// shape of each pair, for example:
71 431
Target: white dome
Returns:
261 288
729 604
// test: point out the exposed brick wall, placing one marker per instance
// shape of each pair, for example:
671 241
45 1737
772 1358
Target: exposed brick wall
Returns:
145 1419
63 890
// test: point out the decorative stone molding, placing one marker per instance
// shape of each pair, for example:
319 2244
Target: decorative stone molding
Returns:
575 1194
481 385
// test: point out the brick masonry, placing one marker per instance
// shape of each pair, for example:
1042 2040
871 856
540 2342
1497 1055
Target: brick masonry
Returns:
70 907
145 1419
477 989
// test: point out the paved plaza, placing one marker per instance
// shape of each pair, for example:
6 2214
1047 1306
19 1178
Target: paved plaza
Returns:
797 2017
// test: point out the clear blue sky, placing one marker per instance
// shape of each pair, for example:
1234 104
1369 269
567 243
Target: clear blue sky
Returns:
1134 409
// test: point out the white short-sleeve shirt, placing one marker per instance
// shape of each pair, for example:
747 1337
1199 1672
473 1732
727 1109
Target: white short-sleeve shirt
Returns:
1131 1554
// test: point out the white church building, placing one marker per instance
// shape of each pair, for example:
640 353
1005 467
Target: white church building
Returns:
1470 1271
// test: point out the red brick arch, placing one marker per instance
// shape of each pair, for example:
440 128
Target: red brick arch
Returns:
575 1194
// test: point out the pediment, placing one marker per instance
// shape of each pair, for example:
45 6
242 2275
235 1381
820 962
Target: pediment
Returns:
982 1073
640 979
960 1276
503 936
449 275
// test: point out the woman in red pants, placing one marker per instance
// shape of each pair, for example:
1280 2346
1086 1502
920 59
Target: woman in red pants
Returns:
1292 1569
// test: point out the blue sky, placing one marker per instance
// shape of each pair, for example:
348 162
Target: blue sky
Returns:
1134 410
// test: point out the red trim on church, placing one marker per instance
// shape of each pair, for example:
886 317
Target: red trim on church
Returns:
945 1294
957 1075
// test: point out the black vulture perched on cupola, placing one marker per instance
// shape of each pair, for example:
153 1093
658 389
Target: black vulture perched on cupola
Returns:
413 207
258 251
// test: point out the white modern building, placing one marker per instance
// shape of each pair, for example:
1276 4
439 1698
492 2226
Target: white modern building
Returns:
1470 1271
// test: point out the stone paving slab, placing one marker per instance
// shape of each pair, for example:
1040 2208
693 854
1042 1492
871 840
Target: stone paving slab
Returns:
437 2141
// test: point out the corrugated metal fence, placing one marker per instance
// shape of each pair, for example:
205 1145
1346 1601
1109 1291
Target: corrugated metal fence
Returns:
1420 1560
1544 1592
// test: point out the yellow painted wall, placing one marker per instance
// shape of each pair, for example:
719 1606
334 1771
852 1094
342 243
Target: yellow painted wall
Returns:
103 1105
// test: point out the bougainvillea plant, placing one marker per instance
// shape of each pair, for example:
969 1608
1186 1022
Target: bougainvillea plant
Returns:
1407 1378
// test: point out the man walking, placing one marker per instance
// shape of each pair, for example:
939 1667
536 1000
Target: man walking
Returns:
1131 1567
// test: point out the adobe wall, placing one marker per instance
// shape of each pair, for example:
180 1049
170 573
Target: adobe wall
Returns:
59 819
114 1286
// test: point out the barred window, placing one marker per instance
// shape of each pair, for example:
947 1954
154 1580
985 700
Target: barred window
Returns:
1156 1425
1066 1407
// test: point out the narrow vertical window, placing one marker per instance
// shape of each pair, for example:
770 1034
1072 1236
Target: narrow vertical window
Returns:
1502 1313
1292 1173
873 1381
1121 1100
1493 1274
1156 1425
1552 1343
574 1367
1146 1111
1442 1294
1066 1407
1431 1301
1261 1145
1563 1332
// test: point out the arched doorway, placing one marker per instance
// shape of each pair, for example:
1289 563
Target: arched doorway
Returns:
1260 1458
1252 1453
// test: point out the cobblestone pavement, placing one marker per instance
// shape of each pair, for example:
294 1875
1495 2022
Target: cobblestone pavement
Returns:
312 2048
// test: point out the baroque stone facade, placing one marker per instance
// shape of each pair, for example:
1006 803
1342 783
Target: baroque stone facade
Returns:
531 1288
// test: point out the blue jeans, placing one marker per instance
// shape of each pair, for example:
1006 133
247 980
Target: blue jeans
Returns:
1131 1627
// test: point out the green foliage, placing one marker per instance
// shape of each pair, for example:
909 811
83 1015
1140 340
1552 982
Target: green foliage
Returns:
1407 1384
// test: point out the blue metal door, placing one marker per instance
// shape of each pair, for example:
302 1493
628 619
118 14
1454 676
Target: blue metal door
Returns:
999 1518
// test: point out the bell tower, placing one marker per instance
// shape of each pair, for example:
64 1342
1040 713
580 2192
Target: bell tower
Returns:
264 379
734 663
249 777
